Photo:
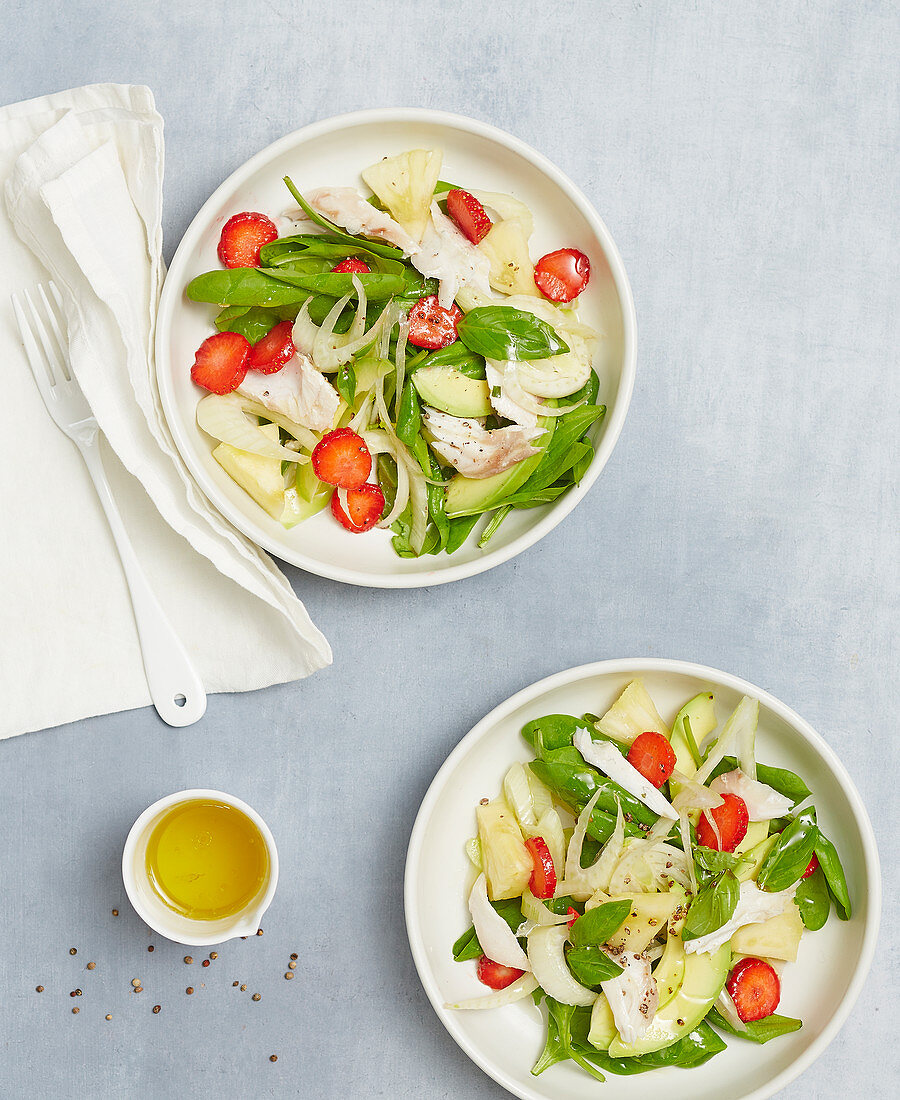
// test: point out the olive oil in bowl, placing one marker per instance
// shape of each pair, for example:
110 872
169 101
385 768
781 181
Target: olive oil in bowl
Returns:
206 860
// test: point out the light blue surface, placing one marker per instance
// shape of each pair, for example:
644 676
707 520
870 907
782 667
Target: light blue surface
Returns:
744 157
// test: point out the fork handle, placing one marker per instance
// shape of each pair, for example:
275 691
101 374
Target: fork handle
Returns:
175 688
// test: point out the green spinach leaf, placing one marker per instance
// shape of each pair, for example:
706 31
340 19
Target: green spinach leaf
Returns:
758 1031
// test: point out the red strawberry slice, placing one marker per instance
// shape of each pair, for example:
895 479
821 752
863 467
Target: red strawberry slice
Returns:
353 265
342 458
813 866
755 989
731 820
430 325
242 238
221 362
562 275
653 756
543 878
496 975
273 351
573 916
469 215
364 507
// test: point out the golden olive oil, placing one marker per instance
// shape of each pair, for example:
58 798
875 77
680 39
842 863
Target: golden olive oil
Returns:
207 860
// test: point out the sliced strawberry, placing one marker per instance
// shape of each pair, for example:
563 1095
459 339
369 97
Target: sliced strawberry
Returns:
813 866
242 238
496 975
653 756
573 916
342 458
469 215
562 275
364 507
221 362
543 878
755 989
274 350
731 820
430 325
353 265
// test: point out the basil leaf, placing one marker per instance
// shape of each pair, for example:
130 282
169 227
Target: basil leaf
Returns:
813 900
691 1050
591 966
758 1031
503 332
598 924
468 947
713 906
345 383
830 862
779 779
457 355
708 861
791 853
251 322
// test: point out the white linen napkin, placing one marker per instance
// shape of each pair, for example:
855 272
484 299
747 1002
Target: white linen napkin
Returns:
83 192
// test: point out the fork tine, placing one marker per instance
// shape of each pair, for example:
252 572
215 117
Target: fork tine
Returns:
53 314
36 361
51 354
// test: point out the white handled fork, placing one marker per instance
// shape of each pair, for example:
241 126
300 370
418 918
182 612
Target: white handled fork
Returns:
175 687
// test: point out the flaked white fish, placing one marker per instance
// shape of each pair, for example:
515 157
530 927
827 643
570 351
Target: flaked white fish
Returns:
346 207
473 450
753 907
298 391
446 255
763 802
633 995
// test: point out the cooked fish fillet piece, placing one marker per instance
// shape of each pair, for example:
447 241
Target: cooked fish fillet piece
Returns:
298 391
473 450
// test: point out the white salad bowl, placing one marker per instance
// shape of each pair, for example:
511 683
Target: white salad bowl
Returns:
820 988
334 152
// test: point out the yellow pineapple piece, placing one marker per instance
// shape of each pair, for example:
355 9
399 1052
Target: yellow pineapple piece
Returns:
405 184
506 247
507 864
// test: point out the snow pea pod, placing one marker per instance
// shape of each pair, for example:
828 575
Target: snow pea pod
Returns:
576 783
553 731
790 854
830 862
813 900
377 285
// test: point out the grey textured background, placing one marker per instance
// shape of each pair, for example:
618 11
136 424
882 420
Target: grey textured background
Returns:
744 157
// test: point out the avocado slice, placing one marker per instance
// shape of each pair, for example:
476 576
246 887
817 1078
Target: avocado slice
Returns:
701 713
704 979
603 1026
470 496
451 391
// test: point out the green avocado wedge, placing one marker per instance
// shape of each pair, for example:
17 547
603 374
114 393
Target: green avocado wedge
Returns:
451 391
700 713
704 979
470 496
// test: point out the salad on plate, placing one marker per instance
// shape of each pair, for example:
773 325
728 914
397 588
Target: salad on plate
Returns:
397 358
647 886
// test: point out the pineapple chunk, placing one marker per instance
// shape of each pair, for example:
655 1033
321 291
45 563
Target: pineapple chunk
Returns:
775 938
649 915
634 712
405 184
507 864
256 474
506 247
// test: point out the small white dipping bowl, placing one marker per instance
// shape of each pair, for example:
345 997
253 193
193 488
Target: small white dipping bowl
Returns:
150 907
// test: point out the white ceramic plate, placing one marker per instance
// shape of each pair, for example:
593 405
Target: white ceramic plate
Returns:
334 152
820 988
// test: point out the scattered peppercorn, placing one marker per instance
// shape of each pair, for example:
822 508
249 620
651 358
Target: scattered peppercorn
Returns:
73 950
135 982
189 959
92 966
680 1023
257 996
273 1057
156 1009
75 1011
72 993
235 983
150 948
259 931
243 989
77 992
206 962
39 989
288 975
292 965
214 954
108 1016
115 912
294 955
189 990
